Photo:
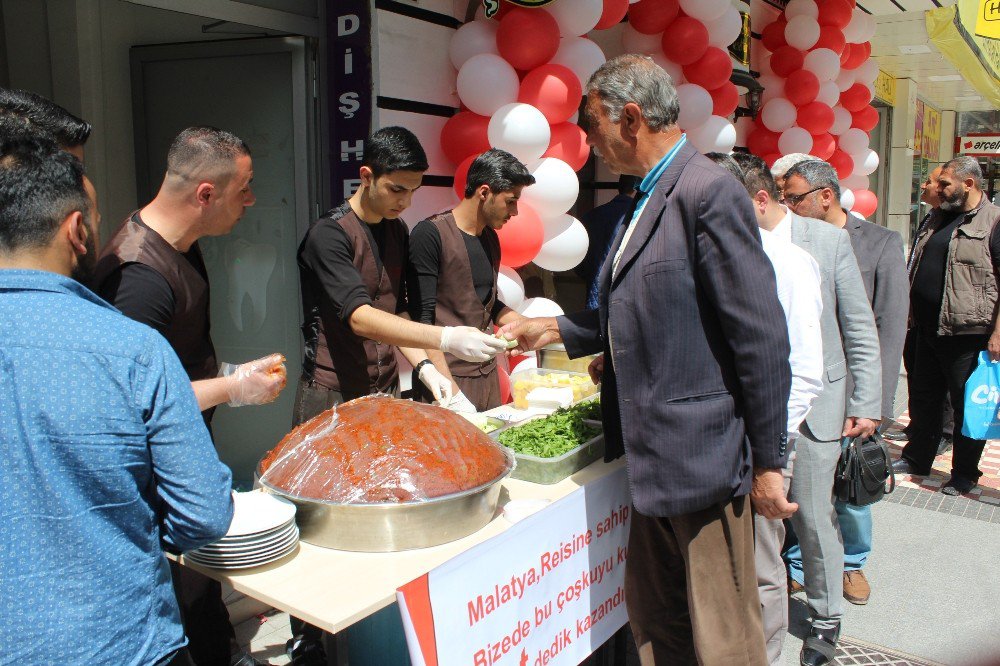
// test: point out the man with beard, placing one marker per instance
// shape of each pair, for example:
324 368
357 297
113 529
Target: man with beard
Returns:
953 300
105 457
454 262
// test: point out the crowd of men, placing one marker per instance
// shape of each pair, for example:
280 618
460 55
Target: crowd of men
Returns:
759 323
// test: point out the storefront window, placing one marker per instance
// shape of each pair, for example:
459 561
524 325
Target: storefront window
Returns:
973 123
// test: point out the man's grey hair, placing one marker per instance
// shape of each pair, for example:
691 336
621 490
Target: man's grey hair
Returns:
817 173
966 167
783 164
637 79
205 152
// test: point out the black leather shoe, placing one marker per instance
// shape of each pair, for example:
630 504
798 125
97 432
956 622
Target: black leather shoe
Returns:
305 652
904 466
820 647
246 659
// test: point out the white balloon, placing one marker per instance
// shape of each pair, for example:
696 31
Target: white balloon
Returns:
824 63
867 72
565 245
795 140
579 54
802 32
855 30
486 82
846 201
866 162
842 120
744 125
715 135
695 104
829 93
675 71
540 307
634 41
726 29
705 10
856 181
530 363
853 142
510 287
575 17
869 27
556 187
521 130
801 8
846 79
472 39
778 115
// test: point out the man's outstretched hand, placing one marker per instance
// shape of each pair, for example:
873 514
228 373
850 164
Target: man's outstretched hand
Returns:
768 494
532 334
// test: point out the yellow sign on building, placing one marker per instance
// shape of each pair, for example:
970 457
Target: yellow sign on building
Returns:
988 19
955 32
885 88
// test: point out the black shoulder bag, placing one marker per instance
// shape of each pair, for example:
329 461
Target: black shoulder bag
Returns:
864 471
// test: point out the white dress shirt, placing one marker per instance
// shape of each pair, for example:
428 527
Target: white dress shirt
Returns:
798 278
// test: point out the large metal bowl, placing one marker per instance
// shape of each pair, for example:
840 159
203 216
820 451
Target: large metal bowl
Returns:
390 527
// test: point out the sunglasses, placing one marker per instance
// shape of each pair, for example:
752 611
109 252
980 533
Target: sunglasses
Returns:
796 199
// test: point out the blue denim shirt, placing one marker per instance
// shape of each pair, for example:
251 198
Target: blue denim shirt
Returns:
103 458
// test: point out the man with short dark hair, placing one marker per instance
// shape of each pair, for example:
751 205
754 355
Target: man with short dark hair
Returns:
454 263
20 108
602 224
106 460
953 300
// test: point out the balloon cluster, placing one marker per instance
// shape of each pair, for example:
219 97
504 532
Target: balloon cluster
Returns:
818 76
689 39
520 81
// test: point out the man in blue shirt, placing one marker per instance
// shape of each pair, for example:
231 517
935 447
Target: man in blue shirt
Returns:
106 460
602 225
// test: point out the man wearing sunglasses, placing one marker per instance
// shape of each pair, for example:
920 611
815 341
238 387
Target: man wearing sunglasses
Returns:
812 190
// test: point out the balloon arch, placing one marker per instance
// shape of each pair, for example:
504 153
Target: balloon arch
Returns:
521 75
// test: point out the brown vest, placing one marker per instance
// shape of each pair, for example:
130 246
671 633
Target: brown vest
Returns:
969 302
189 330
457 301
343 361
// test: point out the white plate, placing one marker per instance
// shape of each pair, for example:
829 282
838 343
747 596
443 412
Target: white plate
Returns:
221 547
250 565
235 563
261 550
256 536
256 511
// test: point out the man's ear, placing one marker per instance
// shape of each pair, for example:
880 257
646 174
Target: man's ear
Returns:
204 193
77 232
631 119
483 191
760 200
366 175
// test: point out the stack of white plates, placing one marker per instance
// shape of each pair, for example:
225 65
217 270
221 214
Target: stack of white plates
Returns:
263 530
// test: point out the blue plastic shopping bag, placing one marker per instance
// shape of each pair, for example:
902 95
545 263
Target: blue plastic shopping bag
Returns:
982 398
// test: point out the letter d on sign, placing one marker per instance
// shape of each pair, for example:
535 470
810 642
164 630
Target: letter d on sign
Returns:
347 24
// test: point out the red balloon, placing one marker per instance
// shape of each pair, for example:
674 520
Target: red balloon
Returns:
773 35
527 38
801 87
786 60
464 134
515 361
504 377
521 237
552 89
823 145
865 202
769 160
725 99
462 175
846 55
836 13
815 117
831 38
614 12
651 17
859 53
842 163
685 40
856 97
712 70
762 141
866 119
569 144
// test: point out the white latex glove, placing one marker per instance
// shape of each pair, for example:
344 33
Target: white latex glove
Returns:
459 403
470 344
256 382
436 383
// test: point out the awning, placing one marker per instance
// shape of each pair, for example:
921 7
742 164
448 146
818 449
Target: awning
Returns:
952 30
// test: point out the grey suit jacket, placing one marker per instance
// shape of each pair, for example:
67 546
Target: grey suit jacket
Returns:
850 339
879 252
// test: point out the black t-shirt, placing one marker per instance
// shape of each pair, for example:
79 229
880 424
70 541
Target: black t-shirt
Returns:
329 255
425 270
927 288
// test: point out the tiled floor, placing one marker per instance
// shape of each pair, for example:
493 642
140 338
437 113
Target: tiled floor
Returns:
851 652
264 636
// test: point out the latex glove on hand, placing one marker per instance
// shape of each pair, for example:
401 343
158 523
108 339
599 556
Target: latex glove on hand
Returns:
256 382
436 383
459 403
471 344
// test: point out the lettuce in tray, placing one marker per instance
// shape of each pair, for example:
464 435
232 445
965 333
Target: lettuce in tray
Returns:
557 434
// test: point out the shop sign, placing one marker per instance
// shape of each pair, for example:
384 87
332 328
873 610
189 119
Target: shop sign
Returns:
983 145
548 591
349 58
885 88
493 6
988 19
927 132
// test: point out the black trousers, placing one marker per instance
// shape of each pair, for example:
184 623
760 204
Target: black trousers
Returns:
211 638
909 351
942 364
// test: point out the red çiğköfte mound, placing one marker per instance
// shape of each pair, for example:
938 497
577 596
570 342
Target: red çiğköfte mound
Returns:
380 449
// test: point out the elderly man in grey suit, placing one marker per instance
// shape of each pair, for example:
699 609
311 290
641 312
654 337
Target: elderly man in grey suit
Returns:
879 252
696 380
850 348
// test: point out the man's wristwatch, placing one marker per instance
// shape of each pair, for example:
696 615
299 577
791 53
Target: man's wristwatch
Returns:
420 365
